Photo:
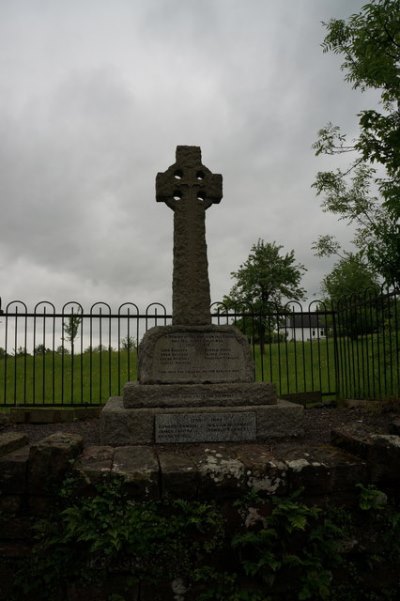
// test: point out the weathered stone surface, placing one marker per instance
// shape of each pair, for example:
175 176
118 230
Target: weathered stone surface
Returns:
380 451
395 426
264 471
220 471
121 426
231 470
4 420
322 470
285 419
384 458
228 470
356 444
95 463
39 415
194 355
178 474
199 395
13 471
138 466
11 441
49 459
189 188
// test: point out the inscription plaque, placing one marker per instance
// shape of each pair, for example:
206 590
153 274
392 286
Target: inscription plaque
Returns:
205 427
185 355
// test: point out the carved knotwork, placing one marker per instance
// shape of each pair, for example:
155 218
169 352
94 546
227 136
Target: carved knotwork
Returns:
188 179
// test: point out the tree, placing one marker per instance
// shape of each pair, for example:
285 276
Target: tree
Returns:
41 349
263 281
349 277
71 328
348 289
266 277
128 344
367 192
62 350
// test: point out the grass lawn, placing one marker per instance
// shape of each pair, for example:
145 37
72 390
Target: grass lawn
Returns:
79 379
368 368
297 367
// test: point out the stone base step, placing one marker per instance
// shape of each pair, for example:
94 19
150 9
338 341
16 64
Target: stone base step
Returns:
129 426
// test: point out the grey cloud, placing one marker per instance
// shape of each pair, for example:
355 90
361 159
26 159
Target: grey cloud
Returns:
96 96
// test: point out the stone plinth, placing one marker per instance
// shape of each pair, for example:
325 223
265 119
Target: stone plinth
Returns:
137 395
195 355
126 426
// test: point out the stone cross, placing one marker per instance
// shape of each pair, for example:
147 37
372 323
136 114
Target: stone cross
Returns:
189 189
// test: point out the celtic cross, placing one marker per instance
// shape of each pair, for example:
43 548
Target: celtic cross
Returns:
189 189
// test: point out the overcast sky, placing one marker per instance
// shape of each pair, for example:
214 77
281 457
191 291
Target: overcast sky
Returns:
95 95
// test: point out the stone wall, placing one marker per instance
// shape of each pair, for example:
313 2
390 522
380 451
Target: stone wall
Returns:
30 475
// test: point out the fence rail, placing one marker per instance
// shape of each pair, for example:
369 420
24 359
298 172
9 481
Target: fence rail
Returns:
368 340
77 357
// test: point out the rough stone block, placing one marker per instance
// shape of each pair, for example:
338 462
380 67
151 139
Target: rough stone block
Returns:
265 473
194 355
380 451
359 445
221 473
13 471
95 463
139 468
395 426
49 460
4 420
323 470
384 458
179 477
11 441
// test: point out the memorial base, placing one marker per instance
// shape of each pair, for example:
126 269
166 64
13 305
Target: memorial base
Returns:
138 396
131 426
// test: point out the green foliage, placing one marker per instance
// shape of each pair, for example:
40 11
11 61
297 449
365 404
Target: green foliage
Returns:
360 194
374 534
296 543
87 538
349 278
262 282
266 277
371 498
369 42
40 349
71 328
287 550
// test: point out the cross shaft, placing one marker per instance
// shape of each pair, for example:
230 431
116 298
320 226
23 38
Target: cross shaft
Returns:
189 189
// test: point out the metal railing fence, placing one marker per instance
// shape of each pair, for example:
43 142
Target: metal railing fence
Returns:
368 341
80 358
